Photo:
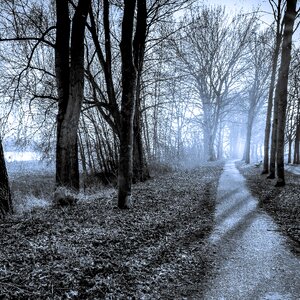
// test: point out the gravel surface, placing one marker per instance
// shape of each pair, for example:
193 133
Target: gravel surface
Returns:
251 258
283 203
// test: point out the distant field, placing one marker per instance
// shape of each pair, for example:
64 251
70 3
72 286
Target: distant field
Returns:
16 168
32 183
21 156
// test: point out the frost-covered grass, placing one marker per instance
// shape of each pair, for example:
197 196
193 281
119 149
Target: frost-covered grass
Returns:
156 250
16 168
32 184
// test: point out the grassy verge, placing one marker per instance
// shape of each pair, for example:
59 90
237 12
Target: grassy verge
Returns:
95 251
283 203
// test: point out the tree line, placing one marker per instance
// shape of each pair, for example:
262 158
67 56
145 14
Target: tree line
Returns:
114 87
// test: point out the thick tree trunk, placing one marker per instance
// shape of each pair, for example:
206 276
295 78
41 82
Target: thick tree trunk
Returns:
5 195
71 95
281 88
209 144
209 133
129 75
62 79
211 148
140 167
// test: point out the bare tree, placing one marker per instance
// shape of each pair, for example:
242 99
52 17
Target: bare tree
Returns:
277 12
132 53
210 51
293 117
5 195
70 84
259 66
281 86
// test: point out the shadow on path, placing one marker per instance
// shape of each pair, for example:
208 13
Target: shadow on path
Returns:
251 259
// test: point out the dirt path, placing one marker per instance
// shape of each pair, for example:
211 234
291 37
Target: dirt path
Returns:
252 260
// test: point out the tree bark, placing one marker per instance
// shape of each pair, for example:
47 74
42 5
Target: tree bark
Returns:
289 150
62 79
5 194
271 90
140 167
129 75
248 136
270 105
272 169
282 84
297 143
71 86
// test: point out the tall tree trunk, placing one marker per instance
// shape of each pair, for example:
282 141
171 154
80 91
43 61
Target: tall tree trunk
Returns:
209 138
270 103
272 163
5 195
62 79
248 143
282 84
272 169
297 143
271 92
290 150
211 148
249 131
129 75
140 167
220 143
67 173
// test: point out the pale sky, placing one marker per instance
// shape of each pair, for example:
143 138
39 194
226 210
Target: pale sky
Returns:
246 5
266 14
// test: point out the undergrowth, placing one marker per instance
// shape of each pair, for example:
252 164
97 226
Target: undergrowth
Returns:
95 251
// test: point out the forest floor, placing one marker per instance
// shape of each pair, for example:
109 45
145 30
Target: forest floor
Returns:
282 203
95 251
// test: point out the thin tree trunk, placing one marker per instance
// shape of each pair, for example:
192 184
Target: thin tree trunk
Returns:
281 88
5 195
290 150
248 140
250 126
297 138
272 169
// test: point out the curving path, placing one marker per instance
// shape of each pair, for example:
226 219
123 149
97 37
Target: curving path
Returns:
251 258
